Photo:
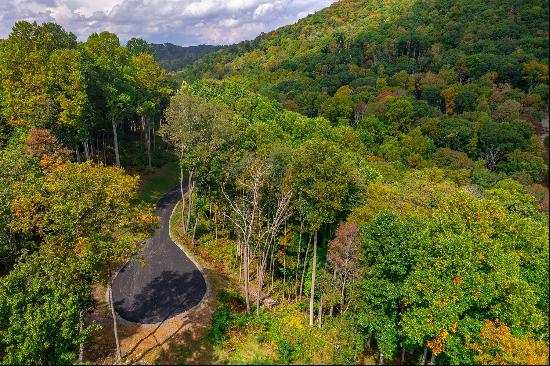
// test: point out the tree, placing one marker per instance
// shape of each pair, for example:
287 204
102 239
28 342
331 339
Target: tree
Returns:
444 291
196 128
390 247
338 109
41 303
343 254
110 92
246 208
151 90
84 210
138 46
534 73
444 157
399 114
508 111
41 77
326 185
498 346
523 161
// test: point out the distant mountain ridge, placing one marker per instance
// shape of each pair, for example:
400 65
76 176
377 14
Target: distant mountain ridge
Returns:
173 57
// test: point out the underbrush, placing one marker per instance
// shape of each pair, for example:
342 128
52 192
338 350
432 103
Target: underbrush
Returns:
280 335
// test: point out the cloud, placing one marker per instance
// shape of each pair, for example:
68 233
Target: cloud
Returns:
185 22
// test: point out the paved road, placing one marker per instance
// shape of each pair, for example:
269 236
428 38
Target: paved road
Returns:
167 284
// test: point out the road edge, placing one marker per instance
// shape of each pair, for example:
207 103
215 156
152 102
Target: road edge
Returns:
208 291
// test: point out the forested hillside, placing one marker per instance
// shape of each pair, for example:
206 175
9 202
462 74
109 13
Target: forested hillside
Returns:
396 208
173 57
445 257
371 179
457 56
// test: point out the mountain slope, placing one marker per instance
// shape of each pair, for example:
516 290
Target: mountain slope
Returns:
357 43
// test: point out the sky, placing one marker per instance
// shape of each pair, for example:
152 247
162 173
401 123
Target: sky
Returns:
182 22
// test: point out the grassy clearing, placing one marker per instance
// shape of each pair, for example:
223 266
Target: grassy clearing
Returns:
155 184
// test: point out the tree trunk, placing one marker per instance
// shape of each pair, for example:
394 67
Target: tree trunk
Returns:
332 304
86 150
272 269
104 151
260 282
113 313
154 137
343 293
432 360
77 154
320 313
284 275
195 228
147 135
369 339
381 359
246 268
182 200
190 198
424 356
297 284
240 257
216 225
115 139
402 355
312 294
304 269
81 345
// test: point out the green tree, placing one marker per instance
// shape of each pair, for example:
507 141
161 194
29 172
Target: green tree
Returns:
41 305
399 114
327 185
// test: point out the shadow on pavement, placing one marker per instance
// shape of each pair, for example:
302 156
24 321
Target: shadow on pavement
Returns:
162 297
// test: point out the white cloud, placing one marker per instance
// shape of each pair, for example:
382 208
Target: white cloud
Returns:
183 22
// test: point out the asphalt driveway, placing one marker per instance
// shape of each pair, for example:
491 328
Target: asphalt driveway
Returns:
165 283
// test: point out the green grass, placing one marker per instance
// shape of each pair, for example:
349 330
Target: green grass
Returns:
155 184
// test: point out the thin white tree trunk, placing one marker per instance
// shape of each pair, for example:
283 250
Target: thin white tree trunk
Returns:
81 345
297 284
304 269
246 278
115 325
432 360
182 194
86 150
312 294
104 151
190 198
284 275
115 140
147 134
343 292
195 228
260 282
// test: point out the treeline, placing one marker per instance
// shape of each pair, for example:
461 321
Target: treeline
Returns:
438 260
68 220
86 93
